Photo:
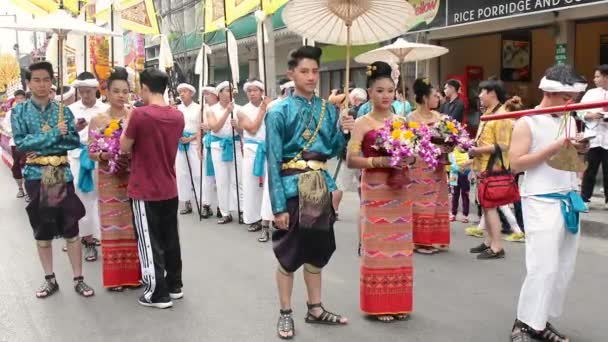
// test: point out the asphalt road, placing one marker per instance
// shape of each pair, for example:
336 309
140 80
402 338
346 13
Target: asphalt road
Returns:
230 292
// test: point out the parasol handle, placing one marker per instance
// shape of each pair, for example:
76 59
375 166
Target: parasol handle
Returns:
346 84
547 110
60 37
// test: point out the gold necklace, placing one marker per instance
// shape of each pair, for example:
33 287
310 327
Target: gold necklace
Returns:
307 134
382 119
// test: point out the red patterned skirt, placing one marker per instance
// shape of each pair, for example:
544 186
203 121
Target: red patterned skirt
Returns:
431 209
118 242
386 241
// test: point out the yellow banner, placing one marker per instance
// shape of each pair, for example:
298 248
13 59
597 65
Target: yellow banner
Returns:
99 52
44 7
136 15
235 9
271 6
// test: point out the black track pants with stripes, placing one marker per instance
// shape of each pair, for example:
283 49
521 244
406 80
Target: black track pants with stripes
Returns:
158 245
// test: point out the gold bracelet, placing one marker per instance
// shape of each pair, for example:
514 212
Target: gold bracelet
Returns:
370 162
354 147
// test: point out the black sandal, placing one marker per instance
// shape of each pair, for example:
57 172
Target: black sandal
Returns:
48 288
265 234
206 213
116 289
286 325
255 227
402 317
81 287
225 220
550 334
521 332
326 317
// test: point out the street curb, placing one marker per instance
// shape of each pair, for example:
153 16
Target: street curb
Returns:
594 229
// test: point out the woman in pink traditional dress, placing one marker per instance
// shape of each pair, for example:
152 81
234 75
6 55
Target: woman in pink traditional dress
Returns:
429 190
386 212
121 266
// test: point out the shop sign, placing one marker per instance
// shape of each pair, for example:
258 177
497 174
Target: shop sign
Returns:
433 14
560 54
469 11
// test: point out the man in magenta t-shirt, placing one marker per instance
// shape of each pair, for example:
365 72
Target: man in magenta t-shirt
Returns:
151 136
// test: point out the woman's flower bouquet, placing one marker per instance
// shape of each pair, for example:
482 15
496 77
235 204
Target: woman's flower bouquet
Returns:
107 140
450 133
401 140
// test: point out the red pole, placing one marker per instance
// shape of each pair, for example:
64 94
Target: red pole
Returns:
548 110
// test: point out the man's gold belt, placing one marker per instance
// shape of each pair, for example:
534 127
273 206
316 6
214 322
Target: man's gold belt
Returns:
314 165
48 160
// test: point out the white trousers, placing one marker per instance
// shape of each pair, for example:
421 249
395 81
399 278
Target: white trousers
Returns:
89 224
185 191
209 188
550 259
252 189
225 179
267 214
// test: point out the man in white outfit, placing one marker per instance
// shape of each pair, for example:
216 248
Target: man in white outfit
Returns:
187 161
209 195
551 207
597 127
225 147
251 120
84 110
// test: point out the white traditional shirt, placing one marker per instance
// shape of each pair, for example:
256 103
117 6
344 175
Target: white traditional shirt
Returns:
192 116
81 111
218 110
597 128
6 126
251 112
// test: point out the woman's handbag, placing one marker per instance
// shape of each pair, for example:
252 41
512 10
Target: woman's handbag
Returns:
497 188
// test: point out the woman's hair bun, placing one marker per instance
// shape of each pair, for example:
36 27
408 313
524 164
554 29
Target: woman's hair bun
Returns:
378 70
514 104
119 74
422 87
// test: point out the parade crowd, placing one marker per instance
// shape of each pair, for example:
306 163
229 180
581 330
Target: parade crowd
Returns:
116 174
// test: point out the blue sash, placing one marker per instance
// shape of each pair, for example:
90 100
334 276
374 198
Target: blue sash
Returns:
227 145
185 147
260 156
572 205
85 173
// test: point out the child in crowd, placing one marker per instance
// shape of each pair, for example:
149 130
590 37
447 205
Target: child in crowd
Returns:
460 169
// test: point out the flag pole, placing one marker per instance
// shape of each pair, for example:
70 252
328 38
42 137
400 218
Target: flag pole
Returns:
263 27
201 97
230 85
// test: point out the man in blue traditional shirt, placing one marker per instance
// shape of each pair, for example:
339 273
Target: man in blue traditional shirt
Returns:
302 132
46 135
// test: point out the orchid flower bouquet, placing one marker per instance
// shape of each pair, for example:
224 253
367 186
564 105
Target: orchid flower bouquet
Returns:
401 140
107 140
451 133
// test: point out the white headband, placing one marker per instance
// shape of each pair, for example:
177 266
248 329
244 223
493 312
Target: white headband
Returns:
71 92
257 84
186 86
551 86
290 84
222 86
209 89
88 83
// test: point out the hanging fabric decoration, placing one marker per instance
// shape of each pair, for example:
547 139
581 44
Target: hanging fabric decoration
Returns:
234 59
262 38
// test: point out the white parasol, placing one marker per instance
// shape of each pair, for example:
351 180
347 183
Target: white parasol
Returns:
348 22
400 52
60 23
